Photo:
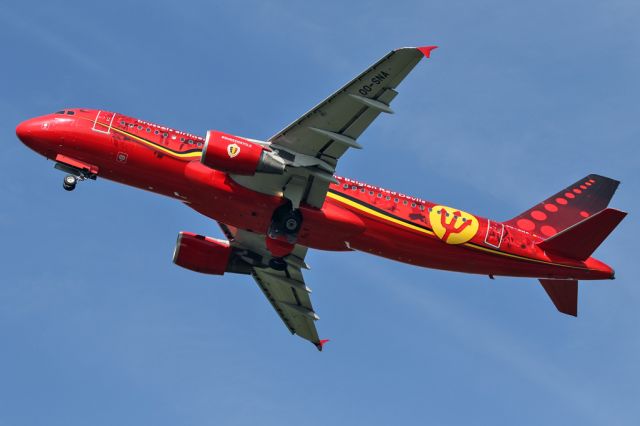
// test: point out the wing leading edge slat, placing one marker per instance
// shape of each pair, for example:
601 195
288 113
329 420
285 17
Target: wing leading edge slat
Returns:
333 126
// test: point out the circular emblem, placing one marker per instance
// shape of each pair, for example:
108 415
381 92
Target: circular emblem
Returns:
233 150
451 225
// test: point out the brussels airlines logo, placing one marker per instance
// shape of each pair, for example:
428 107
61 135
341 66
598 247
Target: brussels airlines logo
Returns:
233 150
453 226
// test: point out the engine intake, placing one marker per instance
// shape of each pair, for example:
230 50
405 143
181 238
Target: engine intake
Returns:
236 155
208 255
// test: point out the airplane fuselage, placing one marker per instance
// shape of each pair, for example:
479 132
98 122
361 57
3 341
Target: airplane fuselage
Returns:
355 215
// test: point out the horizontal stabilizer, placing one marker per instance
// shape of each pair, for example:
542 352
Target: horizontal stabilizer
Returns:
563 294
582 239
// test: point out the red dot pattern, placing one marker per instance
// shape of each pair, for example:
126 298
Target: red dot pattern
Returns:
548 231
526 224
561 201
538 215
544 218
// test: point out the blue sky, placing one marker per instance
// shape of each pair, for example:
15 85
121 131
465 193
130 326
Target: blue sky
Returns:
99 327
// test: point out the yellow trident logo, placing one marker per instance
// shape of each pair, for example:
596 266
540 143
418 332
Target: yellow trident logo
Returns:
233 150
453 226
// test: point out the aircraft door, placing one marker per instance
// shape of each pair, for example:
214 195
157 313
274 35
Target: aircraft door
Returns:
103 122
495 232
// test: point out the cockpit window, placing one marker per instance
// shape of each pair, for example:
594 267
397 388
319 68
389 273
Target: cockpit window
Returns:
59 112
70 112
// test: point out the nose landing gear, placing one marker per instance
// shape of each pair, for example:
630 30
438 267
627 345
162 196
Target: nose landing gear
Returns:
74 175
69 182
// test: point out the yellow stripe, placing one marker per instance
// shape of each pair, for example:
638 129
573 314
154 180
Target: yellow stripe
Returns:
428 232
148 143
377 214
158 147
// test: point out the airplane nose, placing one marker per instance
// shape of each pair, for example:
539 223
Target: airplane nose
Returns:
36 134
24 130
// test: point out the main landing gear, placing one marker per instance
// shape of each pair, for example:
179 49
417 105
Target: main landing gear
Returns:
283 234
278 264
286 222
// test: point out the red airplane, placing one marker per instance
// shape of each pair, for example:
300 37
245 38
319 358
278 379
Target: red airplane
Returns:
275 199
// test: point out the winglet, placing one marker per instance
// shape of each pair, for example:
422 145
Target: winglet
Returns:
426 50
321 343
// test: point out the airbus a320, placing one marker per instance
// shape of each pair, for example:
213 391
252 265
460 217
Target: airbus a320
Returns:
277 198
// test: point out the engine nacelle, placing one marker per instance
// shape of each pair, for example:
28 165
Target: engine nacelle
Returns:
236 155
202 254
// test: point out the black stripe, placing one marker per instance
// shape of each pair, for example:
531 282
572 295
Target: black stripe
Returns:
133 136
156 144
379 210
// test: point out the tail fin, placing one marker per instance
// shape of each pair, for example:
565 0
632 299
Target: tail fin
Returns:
563 294
582 239
568 207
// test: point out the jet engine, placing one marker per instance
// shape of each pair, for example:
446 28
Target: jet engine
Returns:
236 155
207 255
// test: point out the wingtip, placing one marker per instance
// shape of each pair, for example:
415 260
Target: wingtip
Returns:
321 343
426 50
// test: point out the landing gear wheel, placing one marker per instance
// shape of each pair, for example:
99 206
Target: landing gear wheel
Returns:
286 222
69 182
292 224
278 264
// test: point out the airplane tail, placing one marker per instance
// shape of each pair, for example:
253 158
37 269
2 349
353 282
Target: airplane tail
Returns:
568 207
577 242
575 221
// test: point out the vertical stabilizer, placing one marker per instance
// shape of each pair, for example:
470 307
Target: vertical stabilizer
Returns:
573 204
